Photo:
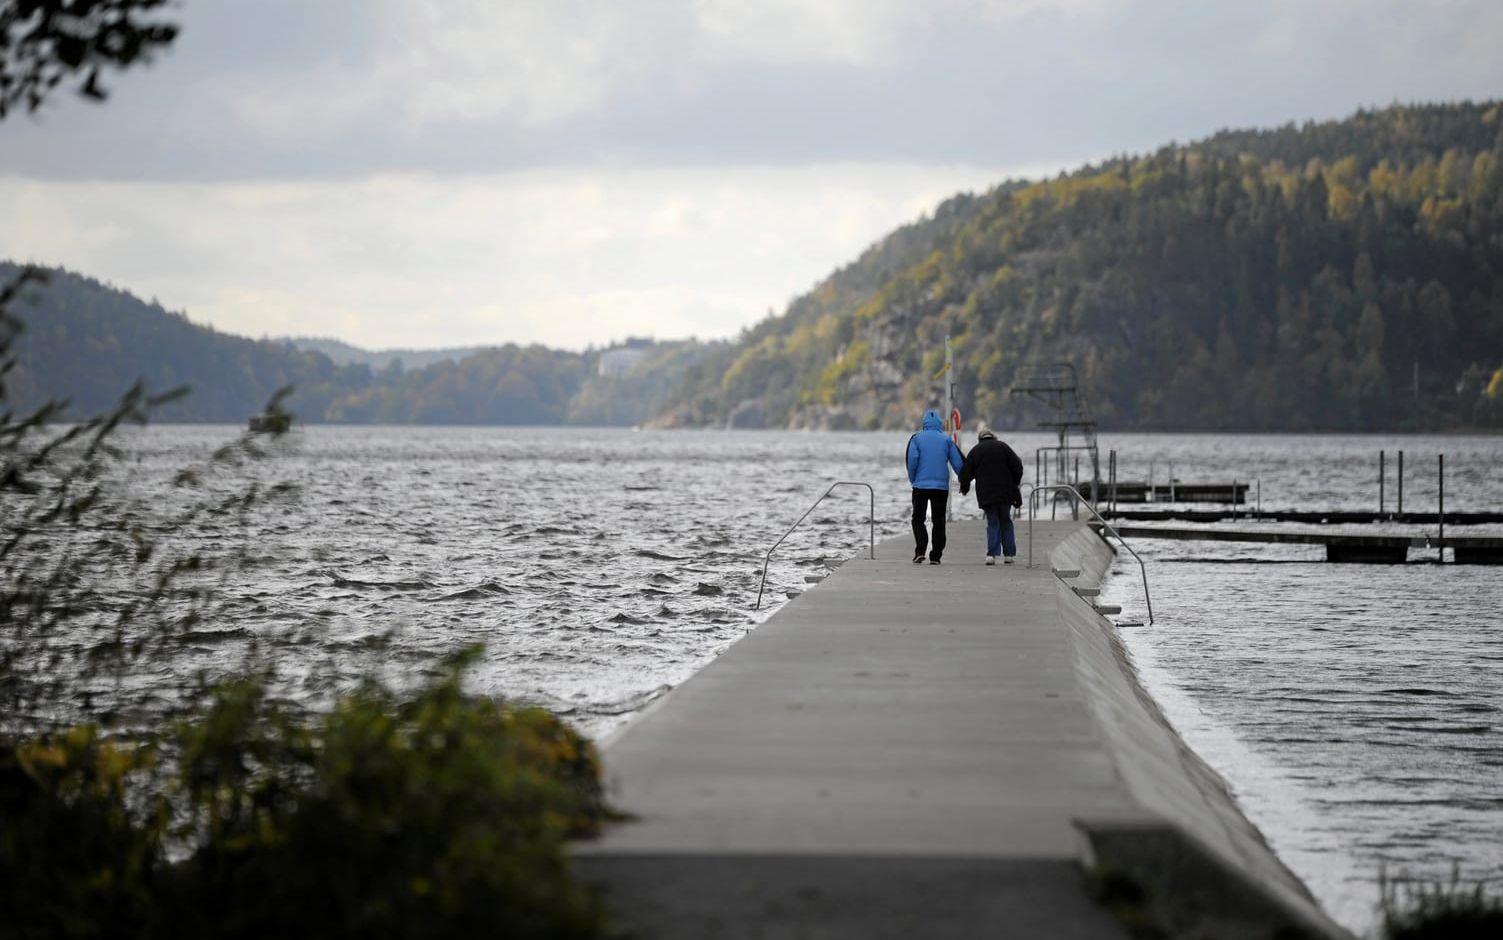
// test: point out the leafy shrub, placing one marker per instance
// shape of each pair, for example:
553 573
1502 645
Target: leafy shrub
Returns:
76 860
434 815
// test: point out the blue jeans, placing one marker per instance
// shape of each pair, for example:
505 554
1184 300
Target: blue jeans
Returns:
999 535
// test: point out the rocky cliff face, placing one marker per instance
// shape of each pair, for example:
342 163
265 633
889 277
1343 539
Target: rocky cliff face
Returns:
882 391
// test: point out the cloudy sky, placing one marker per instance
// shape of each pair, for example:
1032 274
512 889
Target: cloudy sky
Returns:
440 172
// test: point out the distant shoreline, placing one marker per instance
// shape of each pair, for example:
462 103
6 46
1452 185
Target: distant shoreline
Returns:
1199 432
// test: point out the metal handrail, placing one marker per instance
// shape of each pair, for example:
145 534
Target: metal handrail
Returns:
871 522
1080 500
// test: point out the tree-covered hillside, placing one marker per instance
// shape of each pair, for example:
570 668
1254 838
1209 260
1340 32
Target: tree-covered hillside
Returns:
344 354
1346 275
86 343
524 385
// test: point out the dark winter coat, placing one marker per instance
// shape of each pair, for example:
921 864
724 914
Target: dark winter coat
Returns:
996 471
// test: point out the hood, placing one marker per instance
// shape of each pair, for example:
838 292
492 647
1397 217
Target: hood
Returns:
932 421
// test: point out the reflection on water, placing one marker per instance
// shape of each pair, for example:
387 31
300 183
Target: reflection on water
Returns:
1354 709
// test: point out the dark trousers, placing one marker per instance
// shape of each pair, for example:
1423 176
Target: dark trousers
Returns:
934 501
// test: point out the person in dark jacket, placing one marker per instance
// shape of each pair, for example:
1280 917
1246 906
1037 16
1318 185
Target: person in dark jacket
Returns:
996 470
931 457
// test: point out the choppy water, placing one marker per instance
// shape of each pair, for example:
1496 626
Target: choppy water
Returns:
1354 709
597 567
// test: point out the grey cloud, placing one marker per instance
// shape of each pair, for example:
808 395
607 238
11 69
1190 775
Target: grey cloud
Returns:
279 88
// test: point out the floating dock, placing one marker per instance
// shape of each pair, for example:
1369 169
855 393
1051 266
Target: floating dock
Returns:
917 751
1340 547
1140 492
1317 516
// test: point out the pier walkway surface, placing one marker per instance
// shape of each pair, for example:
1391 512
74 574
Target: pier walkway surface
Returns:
918 751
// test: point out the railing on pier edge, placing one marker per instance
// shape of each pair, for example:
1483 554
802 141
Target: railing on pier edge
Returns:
871 522
1106 526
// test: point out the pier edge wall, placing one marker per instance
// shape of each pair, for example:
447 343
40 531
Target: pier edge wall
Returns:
1207 852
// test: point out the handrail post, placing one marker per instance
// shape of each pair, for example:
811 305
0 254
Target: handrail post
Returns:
1031 488
871 523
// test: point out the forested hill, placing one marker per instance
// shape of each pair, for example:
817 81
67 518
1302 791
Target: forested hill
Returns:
344 353
1344 275
86 343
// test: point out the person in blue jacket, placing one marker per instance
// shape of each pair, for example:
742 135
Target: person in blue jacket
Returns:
931 457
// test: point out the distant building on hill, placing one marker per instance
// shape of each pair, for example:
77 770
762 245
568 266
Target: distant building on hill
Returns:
617 362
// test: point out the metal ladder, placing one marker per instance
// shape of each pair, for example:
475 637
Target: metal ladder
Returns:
1106 526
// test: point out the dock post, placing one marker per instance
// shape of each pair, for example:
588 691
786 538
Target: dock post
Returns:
1096 480
1382 476
1113 472
1260 497
1440 496
1234 497
1401 483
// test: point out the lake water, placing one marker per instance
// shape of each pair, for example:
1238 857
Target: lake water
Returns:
1355 710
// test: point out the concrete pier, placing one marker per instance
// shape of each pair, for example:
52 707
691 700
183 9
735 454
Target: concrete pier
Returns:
917 751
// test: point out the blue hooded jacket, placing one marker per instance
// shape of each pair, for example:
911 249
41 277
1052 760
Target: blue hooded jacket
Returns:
928 452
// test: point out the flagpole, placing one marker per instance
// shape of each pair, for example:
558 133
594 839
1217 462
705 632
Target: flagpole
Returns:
954 432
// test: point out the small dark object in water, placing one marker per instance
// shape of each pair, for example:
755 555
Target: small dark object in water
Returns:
270 424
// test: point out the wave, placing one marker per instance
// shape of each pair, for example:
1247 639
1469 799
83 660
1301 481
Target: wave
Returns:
486 589
628 704
340 580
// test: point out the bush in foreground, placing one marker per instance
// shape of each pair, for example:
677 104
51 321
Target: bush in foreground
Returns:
433 815
1452 910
